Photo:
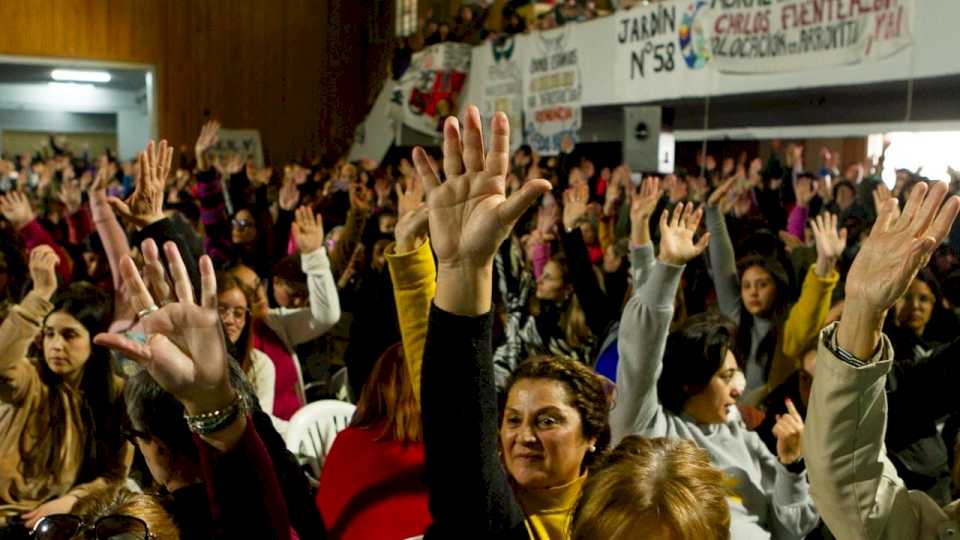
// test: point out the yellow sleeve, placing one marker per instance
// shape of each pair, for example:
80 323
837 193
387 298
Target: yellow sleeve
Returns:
805 321
414 278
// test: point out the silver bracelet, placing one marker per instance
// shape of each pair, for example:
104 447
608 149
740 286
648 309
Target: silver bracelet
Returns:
210 422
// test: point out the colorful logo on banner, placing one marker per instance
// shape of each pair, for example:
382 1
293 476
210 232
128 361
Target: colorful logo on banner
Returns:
431 85
694 44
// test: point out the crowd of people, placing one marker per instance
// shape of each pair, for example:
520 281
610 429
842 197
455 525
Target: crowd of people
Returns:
537 347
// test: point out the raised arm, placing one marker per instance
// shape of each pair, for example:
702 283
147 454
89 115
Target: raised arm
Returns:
854 485
296 326
217 241
469 216
645 326
584 279
185 352
15 206
414 278
808 315
642 206
19 330
723 261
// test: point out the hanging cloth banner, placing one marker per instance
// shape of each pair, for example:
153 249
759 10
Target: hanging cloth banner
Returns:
764 36
431 85
496 83
552 84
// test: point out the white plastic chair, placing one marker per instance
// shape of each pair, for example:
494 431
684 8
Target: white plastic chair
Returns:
312 430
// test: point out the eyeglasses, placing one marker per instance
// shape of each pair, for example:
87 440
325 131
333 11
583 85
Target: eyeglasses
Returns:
242 224
238 313
116 527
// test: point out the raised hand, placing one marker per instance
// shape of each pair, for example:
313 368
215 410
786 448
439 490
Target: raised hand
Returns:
676 235
790 242
888 261
228 165
43 264
719 194
614 192
209 136
470 214
789 433
575 203
145 205
102 178
70 196
881 194
185 351
361 199
830 243
262 176
308 230
409 199
382 188
547 218
15 206
411 230
289 195
642 206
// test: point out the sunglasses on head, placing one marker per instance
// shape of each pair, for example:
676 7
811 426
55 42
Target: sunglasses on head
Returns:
242 224
67 526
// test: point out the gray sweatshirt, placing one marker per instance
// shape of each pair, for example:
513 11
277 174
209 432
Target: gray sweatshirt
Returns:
770 502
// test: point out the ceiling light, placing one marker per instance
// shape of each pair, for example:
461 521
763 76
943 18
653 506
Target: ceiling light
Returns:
82 76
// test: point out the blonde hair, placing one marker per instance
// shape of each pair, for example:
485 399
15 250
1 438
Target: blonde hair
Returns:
127 503
653 488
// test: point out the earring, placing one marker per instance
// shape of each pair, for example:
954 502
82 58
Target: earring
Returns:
593 448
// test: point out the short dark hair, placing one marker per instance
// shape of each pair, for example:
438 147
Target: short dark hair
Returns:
157 413
694 353
587 391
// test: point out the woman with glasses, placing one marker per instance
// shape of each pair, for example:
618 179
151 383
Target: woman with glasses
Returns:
59 409
233 305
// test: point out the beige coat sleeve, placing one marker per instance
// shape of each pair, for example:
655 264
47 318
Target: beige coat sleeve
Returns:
854 485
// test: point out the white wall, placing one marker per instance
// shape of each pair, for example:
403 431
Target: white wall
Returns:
133 132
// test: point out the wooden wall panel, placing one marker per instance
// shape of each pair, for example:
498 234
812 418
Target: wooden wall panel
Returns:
301 71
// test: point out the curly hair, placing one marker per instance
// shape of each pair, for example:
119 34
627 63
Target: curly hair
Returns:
653 488
586 392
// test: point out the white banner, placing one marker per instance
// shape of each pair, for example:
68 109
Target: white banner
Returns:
792 35
245 142
649 60
432 84
552 90
496 83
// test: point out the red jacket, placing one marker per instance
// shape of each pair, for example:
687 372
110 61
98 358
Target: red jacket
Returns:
373 489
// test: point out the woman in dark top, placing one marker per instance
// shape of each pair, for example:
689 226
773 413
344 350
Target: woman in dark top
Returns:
473 494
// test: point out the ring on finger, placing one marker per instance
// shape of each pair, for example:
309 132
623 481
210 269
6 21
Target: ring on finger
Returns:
143 313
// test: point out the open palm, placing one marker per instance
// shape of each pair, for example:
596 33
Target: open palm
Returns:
469 213
900 244
676 234
185 350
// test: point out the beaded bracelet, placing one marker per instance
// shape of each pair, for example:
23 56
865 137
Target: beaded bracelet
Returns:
213 421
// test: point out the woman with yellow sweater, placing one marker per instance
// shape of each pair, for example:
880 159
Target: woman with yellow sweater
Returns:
546 453
754 292
50 407
523 478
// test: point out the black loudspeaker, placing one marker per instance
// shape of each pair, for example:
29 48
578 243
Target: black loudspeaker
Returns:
648 143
